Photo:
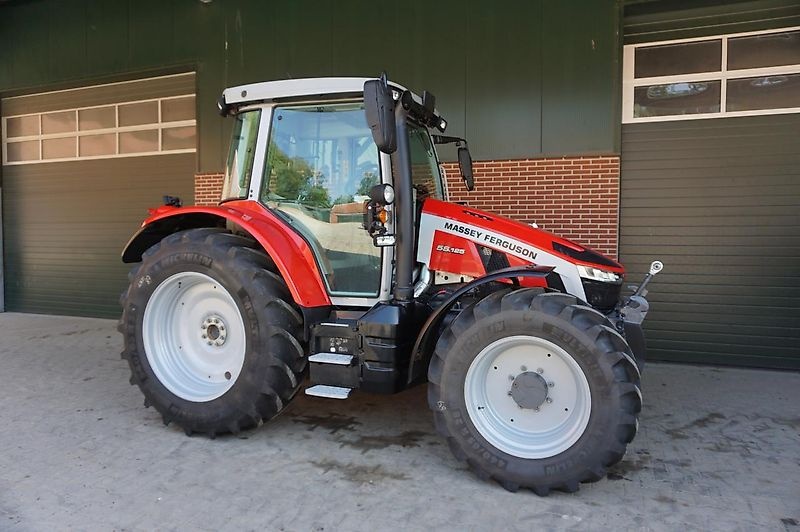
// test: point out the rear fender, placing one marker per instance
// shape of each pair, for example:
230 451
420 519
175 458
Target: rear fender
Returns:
290 253
426 340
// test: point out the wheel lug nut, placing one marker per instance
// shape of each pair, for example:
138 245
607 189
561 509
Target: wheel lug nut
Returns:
549 400
524 368
210 343
204 336
551 384
536 409
509 392
511 377
539 371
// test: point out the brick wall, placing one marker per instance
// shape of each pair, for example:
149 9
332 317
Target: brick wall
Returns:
573 197
207 188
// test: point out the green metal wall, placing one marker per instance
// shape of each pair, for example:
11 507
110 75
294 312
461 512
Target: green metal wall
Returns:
520 78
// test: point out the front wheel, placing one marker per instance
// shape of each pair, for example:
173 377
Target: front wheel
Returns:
535 390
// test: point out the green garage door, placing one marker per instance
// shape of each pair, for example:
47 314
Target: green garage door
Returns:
80 168
719 202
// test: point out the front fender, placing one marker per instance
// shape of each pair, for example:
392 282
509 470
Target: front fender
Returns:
426 339
290 253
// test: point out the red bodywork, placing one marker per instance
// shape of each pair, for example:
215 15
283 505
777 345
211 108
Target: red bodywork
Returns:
459 253
288 250
450 253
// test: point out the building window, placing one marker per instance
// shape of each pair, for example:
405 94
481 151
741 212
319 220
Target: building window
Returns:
712 77
126 129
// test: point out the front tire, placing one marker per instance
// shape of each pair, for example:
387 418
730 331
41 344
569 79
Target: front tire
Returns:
210 333
535 390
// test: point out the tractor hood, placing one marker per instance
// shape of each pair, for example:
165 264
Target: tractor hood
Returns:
445 228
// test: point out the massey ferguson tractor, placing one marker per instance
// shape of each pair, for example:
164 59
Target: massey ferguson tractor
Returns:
334 255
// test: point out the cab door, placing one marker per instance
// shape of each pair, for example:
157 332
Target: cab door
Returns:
321 163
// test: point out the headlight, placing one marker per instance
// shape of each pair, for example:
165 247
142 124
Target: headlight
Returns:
382 194
587 272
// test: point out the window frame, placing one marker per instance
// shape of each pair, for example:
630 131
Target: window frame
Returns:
158 126
630 83
253 163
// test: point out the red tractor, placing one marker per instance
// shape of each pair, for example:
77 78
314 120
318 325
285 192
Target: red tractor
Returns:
333 254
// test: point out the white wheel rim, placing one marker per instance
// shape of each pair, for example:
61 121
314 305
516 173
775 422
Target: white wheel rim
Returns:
525 432
194 336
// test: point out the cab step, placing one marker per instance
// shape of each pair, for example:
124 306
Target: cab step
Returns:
329 392
338 359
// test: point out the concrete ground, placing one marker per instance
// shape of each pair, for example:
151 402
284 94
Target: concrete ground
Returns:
718 449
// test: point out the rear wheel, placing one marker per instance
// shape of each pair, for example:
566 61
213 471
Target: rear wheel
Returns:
535 390
210 333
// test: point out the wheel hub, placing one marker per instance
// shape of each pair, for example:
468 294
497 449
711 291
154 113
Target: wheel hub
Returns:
529 390
214 331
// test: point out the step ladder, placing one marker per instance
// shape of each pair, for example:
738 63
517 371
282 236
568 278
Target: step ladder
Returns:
325 390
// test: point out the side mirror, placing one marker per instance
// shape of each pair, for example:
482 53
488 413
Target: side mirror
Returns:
465 165
379 108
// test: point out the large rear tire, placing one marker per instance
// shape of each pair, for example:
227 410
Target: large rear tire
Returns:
534 390
210 332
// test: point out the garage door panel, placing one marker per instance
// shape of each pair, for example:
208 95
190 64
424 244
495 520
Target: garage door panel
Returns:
668 230
750 331
732 190
718 201
674 313
728 287
678 159
745 263
63 247
740 301
721 349
787 220
695 152
732 198
708 130
727 241
714 210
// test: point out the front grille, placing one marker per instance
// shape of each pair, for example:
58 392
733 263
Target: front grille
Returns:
492 259
600 295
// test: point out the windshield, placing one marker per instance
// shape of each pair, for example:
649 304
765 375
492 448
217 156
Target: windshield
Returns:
425 175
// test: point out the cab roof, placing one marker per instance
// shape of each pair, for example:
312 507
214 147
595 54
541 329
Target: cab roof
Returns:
269 91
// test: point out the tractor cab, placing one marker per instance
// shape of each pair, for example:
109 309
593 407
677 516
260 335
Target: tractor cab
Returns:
312 161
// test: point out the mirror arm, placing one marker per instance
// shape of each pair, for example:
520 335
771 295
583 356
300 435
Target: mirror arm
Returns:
444 139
